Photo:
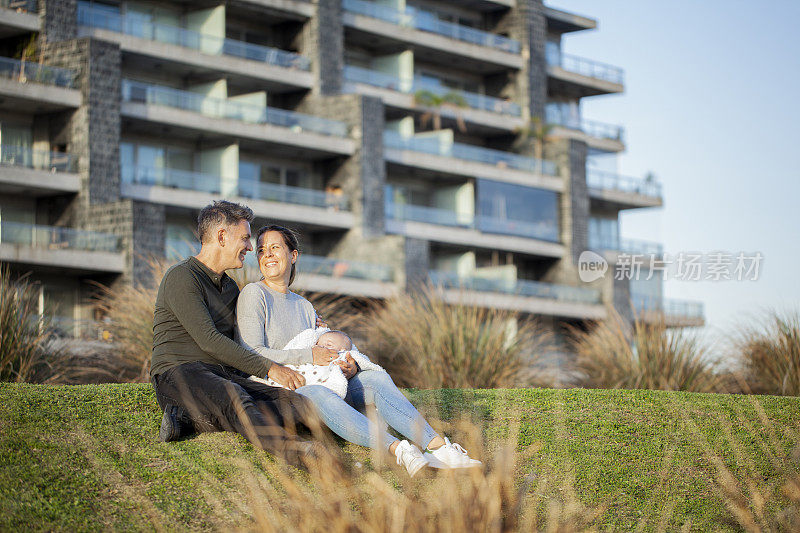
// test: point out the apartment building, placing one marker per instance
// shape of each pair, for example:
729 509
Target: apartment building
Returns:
407 141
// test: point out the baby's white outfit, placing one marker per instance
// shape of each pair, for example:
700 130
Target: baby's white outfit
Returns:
330 376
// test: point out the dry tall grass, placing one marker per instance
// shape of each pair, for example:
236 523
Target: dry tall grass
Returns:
130 310
426 343
769 354
25 349
646 355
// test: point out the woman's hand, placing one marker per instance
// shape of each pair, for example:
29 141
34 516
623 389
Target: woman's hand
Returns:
286 376
349 366
323 356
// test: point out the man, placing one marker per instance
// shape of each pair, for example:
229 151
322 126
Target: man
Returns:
198 371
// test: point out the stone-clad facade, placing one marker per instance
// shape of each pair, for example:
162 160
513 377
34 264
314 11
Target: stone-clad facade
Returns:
218 117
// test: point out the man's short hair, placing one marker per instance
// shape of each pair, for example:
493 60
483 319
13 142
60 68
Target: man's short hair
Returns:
218 213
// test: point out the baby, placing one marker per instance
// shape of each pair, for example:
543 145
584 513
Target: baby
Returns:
330 376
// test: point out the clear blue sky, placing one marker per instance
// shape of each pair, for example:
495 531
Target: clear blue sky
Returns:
711 107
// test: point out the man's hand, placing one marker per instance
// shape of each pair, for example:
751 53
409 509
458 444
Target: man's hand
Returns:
286 376
349 366
321 323
323 356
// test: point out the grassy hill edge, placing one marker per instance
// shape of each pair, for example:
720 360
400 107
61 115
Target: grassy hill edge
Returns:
88 457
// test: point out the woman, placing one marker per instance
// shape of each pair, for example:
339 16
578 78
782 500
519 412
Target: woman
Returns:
269 315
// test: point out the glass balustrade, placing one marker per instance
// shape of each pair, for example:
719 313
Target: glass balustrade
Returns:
412 86
30 6
53 237
535 289
587 67
197 181
340 268
210 44
670 307
425 21
34 72
21 156
134 91
597 179
498 158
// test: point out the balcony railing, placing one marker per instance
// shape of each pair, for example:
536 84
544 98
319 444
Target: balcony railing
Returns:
593 128
446 217
437 146
134 91
31 6
54 238
20 156
425 21
628 246
387 81
670 307
339 268
534 289
210 44
27 72
596 179
587 67
197 181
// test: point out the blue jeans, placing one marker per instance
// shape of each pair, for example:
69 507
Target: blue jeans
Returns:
369 387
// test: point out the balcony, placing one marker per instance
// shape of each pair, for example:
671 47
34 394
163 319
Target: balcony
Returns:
467 160
32 87
196 112
427 33
443 225
674 313
195 190
580 77
623 191
560 21
192 50
648 250
522 295
599 135
18 17
37 173
387 81
339 276
60 248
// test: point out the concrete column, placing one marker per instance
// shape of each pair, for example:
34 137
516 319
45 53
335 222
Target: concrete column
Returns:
622 298
92 132
579 198
148 235
526 23
362 176
323 44
58 20
417 263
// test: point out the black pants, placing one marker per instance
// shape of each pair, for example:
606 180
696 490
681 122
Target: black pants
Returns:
221 398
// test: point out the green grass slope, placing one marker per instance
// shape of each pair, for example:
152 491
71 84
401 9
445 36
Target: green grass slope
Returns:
88 457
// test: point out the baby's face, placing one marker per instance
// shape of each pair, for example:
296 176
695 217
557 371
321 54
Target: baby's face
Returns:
334 341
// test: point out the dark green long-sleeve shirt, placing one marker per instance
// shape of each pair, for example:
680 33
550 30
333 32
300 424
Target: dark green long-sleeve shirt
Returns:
195 319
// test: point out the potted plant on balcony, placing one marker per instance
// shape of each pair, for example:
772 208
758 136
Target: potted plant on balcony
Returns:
435 103
539 131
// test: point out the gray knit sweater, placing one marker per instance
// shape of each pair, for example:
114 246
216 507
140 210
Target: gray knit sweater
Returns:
268 319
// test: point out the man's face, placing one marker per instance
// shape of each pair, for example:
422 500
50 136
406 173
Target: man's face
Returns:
237 244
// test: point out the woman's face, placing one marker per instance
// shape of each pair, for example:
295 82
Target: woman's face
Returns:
274 257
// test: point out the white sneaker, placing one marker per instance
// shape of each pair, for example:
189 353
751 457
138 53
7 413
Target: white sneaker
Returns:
450 455
409 456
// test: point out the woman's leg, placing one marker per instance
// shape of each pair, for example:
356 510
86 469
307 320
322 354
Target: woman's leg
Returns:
372 387
345 421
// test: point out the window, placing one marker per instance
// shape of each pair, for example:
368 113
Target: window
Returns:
516 210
